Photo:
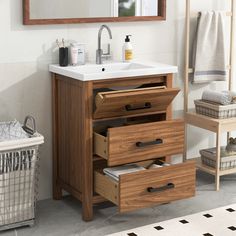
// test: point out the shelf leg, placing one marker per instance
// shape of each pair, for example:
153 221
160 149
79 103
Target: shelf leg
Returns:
217 174
185 142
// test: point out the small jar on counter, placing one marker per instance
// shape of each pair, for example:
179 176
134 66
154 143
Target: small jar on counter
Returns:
77 51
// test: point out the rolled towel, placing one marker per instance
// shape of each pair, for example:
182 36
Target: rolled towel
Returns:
232 94
223 98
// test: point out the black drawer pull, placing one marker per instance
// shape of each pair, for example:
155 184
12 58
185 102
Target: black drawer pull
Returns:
156 142
161 189
147 105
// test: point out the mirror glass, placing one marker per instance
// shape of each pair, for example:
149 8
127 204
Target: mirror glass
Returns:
64 9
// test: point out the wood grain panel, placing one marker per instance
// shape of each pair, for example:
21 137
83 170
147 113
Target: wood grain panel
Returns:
130 193
130 81
169 84
113 104
122 141
106 187
62 130
100 146
69 153
133 187
57 190
86 136
73 155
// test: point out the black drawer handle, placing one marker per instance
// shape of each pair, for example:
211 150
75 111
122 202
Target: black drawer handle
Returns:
156 142
147 105
161 189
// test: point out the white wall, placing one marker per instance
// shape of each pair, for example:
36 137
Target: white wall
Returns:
26 51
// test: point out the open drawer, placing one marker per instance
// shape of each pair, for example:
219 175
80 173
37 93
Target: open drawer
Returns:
133 102
149 187
134 143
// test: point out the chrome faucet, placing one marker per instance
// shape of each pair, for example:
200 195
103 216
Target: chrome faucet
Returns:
99 53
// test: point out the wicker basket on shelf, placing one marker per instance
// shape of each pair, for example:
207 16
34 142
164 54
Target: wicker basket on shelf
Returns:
227 160
215 110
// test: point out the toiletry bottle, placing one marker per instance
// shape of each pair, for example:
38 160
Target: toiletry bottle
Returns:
127 50
81 54
74 53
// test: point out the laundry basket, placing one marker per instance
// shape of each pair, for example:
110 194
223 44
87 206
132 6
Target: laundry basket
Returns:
18 173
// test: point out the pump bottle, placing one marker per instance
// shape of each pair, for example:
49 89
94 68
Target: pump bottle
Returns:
127 50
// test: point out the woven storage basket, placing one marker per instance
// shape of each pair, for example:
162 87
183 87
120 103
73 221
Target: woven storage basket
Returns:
215 110
225 163
227 160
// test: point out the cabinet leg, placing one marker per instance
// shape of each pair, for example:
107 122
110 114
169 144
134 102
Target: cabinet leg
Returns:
57 192
87 208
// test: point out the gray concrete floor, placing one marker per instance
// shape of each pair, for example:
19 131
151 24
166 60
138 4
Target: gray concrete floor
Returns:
63 218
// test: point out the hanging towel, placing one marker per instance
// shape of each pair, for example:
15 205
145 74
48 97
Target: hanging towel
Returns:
209 59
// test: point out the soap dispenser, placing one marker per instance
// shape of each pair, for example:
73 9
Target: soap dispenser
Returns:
127 50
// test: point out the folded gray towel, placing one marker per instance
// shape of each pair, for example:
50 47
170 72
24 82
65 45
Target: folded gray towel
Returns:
209 59
223 98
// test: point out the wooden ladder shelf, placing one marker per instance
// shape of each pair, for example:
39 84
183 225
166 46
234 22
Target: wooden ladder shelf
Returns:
218 126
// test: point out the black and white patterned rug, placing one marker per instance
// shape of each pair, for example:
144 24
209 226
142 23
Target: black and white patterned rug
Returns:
216 222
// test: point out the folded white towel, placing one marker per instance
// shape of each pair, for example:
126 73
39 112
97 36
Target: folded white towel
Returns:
209 59
223 98
115 172
154 166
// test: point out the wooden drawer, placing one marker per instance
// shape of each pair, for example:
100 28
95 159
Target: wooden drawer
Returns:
133 102
134 143
148 187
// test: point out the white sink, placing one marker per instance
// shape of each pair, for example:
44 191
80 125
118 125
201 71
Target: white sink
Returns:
112 70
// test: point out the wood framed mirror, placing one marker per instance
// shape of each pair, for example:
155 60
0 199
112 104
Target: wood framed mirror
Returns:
44 12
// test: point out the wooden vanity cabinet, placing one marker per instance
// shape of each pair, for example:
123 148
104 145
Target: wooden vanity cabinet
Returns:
79 107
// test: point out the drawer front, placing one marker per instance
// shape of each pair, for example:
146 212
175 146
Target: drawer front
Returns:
135 143
149 187
132 102
156 186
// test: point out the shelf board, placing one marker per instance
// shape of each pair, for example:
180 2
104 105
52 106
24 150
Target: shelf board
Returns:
228 172
211 170
211 124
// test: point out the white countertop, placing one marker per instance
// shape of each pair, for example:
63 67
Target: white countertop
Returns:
91 71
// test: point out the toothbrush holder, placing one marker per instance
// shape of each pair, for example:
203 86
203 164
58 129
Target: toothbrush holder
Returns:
63 56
